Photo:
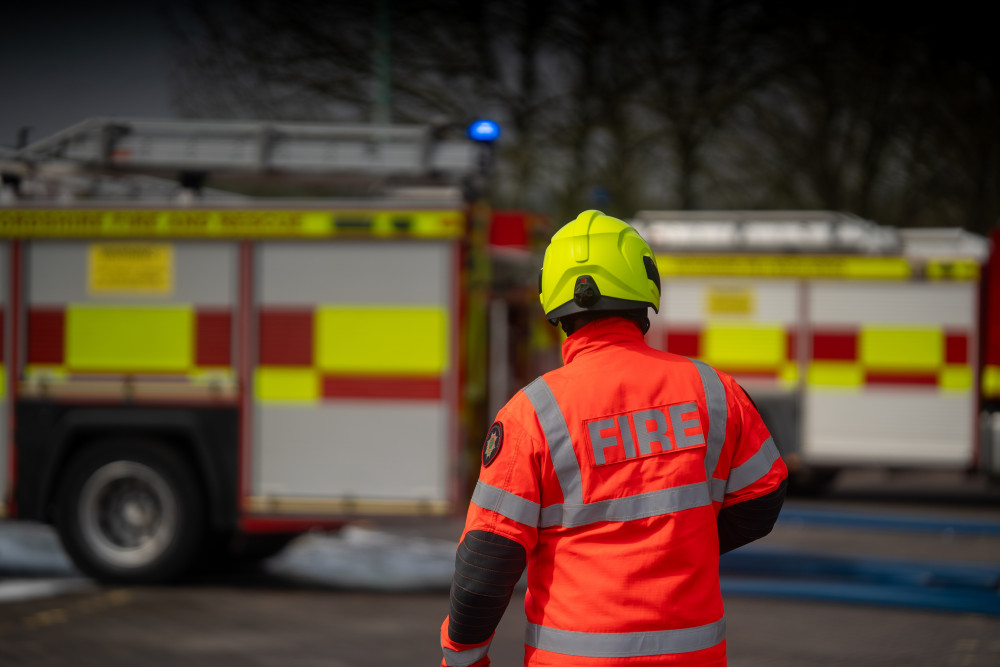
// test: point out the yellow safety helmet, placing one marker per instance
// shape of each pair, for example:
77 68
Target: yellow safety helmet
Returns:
597 262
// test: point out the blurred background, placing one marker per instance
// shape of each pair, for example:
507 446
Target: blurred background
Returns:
884 110
819 182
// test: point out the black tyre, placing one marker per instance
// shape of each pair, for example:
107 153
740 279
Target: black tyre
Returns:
130 510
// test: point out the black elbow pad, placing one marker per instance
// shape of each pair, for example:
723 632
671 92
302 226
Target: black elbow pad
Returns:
750 520
487 568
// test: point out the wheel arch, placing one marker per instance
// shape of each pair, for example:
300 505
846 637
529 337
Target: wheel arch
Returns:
79 430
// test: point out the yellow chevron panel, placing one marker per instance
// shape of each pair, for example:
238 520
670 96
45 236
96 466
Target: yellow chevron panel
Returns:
839 374
276 383
901 348
955 377
124 338
398 340
743 346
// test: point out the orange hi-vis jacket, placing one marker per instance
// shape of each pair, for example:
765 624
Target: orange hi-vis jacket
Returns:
610 473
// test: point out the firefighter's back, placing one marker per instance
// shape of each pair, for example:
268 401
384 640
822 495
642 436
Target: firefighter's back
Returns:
635 549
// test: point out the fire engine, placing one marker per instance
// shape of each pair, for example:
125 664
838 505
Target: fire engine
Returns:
862 345
185 371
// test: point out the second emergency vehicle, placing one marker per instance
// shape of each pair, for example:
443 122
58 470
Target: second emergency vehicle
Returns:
862 345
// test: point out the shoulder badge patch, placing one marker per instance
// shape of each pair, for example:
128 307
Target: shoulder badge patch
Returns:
494 440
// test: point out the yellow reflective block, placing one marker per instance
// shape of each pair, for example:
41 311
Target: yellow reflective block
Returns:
252 223
3 381
438 223
786 266
58 222
840 374
276 383
876 268
316 223
901 348
991 382
396 340
789 374
123 338
743 346
959 269
955 377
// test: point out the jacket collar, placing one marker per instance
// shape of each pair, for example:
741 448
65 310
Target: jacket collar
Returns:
601 334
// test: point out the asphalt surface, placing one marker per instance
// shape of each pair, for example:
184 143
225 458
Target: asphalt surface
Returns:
279 616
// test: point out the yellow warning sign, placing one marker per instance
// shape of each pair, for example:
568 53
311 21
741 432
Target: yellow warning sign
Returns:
146 268
721 300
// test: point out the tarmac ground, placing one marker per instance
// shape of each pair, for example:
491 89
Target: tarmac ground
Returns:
264 618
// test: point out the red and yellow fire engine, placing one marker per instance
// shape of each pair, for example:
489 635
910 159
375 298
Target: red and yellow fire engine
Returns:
862 345
185 369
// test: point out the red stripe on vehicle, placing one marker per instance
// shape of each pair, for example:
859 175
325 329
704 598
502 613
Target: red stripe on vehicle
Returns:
46 336
834 346
213 336
340 386
286 338
923 379
956 348
686 343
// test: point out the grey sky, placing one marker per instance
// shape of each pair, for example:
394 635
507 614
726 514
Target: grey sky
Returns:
61 63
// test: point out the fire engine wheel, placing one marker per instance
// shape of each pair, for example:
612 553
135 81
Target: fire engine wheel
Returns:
131 511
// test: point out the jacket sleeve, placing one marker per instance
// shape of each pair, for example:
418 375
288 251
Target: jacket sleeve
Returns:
500 531
757 476
487 568
749 520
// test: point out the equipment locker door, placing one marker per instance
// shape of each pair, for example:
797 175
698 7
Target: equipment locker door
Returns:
356 379
129 319
891 376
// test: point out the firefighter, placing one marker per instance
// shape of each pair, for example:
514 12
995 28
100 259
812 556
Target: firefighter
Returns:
617 480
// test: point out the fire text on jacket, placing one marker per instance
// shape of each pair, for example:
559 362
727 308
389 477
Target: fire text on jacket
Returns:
645 432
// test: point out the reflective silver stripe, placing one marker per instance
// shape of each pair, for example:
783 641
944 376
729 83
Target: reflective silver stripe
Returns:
640 506
625 644
717 488
715 399
557 436
465 658
573 511
505 503
753 468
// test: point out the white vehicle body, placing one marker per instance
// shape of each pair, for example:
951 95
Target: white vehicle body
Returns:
862 345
